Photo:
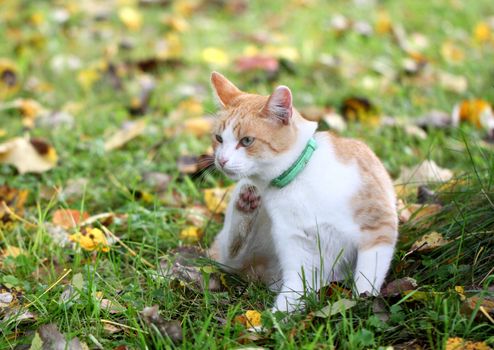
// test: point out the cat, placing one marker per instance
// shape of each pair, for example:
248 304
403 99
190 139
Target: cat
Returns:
308 206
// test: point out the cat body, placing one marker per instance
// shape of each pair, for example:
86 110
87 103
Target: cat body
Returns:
336 216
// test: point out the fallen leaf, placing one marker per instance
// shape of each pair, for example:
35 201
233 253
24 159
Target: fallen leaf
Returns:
9 79
68 218
191 234
429 242
217 199
199 126
28 155
477 112
451 53
170 329
250 319
261 63
482 32
111 329
339 306
36 343
424 173
454 83
190 164
157 181
383 24
53 339
91 239
15 200
397 287
215 56
111 306
129 131
360 109
483 305
130 17
457 343
197 215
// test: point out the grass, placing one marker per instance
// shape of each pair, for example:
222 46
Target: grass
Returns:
35 40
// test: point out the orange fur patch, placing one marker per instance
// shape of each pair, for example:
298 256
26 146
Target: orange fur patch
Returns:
373 210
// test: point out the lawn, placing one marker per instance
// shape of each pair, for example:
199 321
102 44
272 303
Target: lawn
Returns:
115 97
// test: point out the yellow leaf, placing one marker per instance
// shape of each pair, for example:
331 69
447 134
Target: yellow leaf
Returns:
215 56
128 132
199 126
130 17
191 234
3 132
482 32
9 79
169 47
429 242
176 23
91 239
28 155
30 110
452 53
217 199
457 343
383 23
87 77
461 292
253 318
12 252
287 52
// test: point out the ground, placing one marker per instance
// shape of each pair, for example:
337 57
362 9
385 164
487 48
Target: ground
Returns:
74 73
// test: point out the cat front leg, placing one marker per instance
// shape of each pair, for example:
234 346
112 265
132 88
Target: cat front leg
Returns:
300 272
240 218
372 266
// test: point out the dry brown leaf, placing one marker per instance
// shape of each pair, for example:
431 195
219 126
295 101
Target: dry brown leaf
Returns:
429 242
28 155
129 131
111 306
171 329
485 306
251 318
397 287
68 218
111 329
257 63
53 339
14 199
424 173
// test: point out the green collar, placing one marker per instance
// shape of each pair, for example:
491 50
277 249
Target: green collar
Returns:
296 168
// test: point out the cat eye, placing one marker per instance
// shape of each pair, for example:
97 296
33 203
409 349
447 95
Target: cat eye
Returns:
247 141
219 138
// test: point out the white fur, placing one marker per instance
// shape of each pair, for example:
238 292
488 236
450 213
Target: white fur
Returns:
309 223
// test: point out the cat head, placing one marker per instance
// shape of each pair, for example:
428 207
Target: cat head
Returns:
253 134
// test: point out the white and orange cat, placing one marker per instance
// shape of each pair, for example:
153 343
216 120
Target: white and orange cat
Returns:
309 207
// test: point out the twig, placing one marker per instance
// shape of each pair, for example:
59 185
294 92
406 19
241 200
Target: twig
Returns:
50 287
486 314
123 326
130 250
17 217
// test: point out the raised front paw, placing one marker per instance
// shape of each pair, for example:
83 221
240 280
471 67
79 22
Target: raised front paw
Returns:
248 200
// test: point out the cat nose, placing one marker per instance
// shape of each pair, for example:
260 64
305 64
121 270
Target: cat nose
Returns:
222 161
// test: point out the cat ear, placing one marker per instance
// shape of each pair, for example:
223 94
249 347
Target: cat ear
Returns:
279 104
224 89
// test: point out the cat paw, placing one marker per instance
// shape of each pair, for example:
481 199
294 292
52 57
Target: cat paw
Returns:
248 199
